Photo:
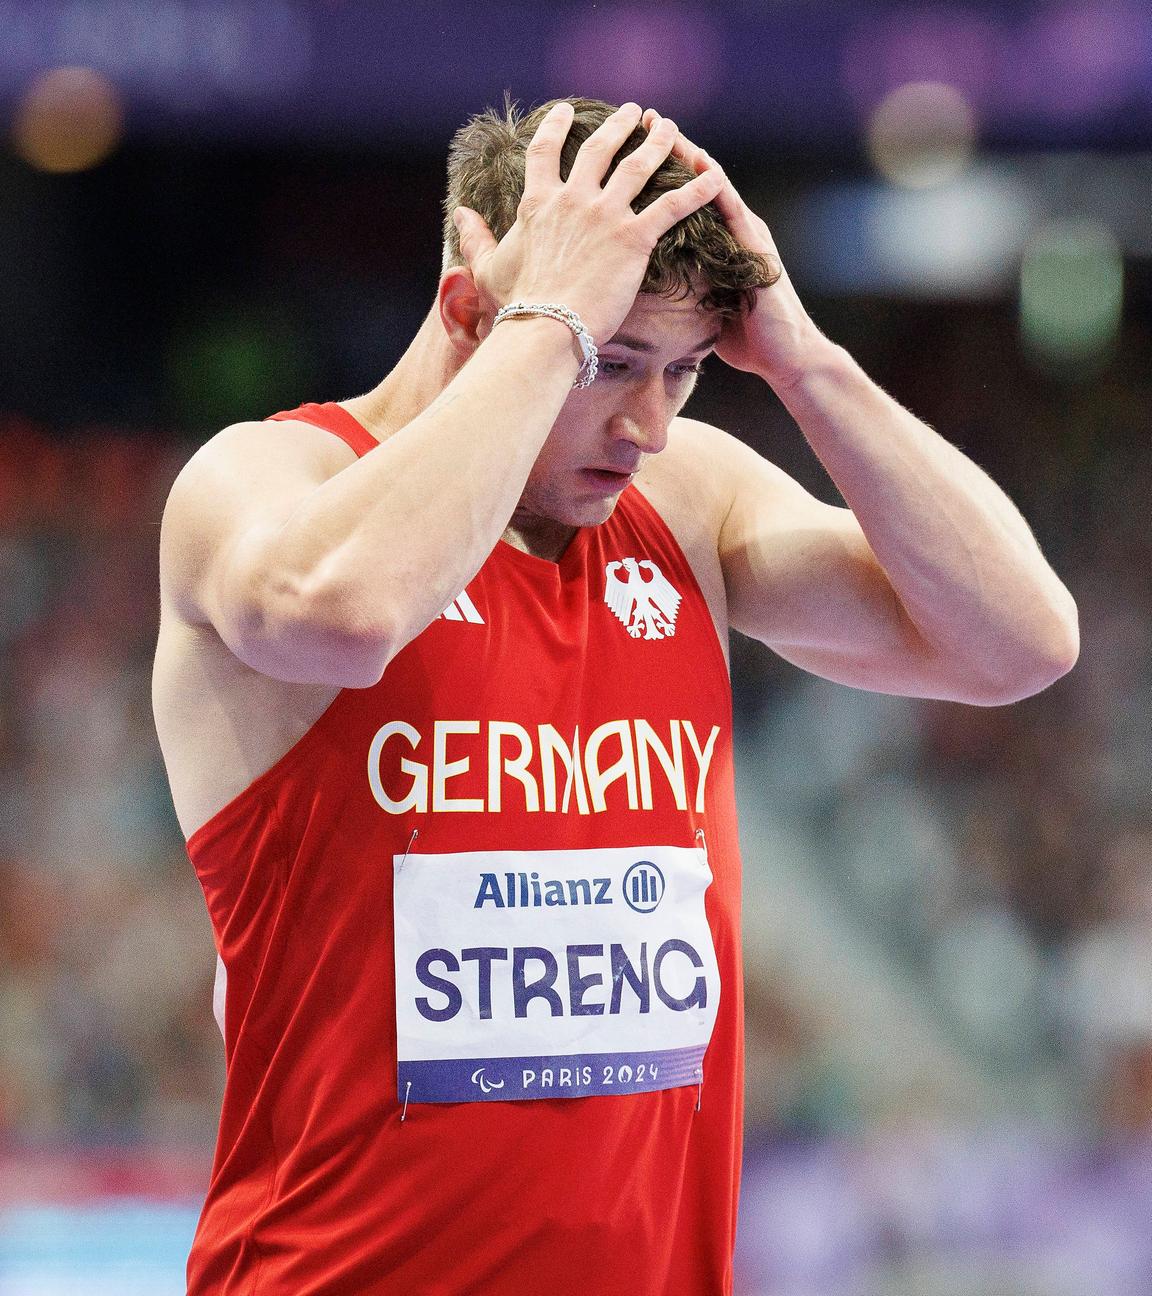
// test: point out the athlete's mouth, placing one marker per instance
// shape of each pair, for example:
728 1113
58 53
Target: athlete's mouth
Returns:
612 476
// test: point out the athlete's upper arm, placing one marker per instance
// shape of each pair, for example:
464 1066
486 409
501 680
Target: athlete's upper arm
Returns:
218 541
802 578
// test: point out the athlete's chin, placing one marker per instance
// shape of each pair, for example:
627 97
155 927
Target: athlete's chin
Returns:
598 494
580 503
590 512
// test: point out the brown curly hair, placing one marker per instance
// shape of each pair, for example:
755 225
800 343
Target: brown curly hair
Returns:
486 173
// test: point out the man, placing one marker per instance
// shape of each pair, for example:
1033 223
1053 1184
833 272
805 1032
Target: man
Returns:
442 693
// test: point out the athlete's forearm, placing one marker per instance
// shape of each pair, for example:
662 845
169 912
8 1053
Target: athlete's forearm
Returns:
959 556
385 544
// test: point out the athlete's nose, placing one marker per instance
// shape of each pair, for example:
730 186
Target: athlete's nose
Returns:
645 417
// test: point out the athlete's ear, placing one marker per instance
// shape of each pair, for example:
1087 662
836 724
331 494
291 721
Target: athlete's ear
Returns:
461 314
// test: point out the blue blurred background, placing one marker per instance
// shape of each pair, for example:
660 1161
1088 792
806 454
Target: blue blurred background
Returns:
214 209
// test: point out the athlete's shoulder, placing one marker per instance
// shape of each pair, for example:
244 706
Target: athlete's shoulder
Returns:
703 448
689 486
691 481
704 453
253 460
248 474
259 442
716 463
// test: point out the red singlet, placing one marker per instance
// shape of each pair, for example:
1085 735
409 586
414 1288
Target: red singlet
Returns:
556 740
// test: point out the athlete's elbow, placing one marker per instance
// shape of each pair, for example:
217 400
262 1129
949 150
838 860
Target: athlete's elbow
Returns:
311 654
359 657
1031 663
355 640
1055 641
300 632
1062 644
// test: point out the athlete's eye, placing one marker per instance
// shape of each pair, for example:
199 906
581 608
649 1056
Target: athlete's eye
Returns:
622 369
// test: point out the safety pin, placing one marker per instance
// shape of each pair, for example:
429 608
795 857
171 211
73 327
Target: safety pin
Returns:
408 849
407 852
702 842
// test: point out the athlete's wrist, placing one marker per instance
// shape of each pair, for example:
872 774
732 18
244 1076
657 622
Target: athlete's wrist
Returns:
526 309
539 343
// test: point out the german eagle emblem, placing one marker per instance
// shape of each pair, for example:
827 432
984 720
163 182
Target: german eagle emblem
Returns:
643 600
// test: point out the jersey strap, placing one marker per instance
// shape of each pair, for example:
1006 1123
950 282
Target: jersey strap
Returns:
332 418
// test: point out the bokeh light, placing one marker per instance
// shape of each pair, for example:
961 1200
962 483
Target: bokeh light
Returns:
922 134
70 119
962 239
1071 296
667 57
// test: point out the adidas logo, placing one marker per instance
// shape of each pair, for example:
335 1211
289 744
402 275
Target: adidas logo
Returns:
462 609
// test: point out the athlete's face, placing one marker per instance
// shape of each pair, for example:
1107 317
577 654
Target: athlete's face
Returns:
604 432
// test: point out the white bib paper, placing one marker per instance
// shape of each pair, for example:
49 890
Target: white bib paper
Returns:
552 974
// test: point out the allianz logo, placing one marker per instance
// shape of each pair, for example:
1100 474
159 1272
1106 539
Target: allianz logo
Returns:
641 888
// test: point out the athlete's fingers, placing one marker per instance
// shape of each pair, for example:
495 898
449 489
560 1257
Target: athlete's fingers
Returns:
690 154
598 150
475 237
542 157
729 204
673 206
634 171
747 228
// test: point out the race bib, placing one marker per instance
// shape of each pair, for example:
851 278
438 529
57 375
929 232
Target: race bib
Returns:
552 974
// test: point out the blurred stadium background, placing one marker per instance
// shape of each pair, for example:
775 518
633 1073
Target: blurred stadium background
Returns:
214 209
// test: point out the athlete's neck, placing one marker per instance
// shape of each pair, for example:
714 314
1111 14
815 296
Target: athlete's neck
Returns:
421 374
540 537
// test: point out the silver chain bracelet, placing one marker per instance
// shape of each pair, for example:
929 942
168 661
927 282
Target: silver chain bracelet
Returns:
519 310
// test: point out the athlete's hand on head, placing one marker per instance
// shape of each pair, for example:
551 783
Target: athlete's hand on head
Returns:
776 338
578 242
